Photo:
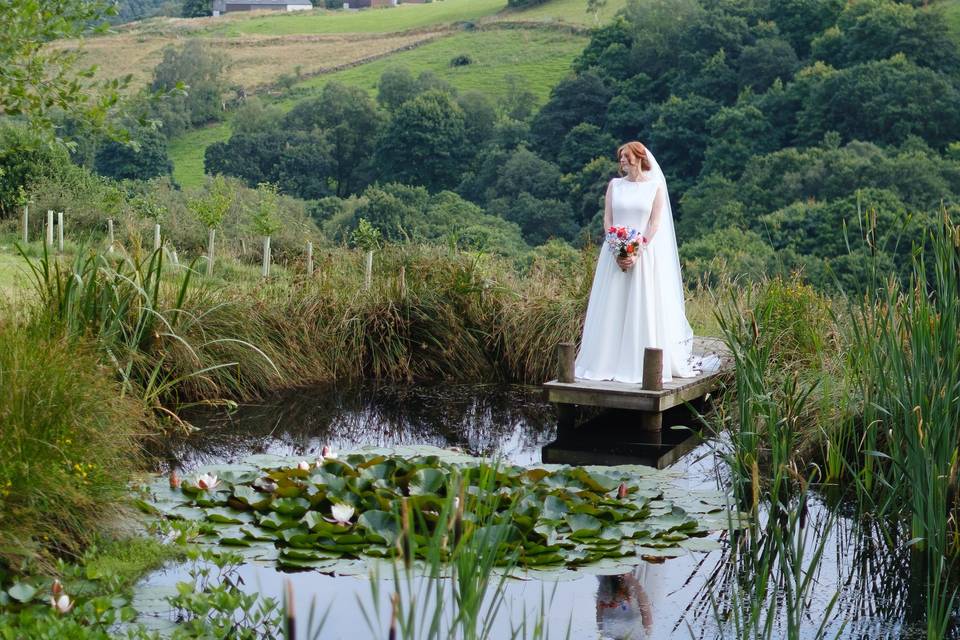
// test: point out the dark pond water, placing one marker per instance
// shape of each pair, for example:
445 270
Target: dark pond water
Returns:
673 599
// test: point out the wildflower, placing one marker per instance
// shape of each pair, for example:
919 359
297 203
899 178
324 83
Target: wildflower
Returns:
341 514
174 479
327 452
61 603
622 491
207 481
56 588
303 465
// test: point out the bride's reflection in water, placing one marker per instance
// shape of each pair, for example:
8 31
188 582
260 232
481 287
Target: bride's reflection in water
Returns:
623 608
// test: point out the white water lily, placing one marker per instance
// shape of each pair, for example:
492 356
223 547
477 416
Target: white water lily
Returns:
303 465
341 513
207 481
327 452
61 603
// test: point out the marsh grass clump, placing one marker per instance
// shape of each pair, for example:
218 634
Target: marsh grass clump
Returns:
68 439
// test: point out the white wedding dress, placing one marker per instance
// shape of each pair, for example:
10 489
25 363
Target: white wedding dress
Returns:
642 307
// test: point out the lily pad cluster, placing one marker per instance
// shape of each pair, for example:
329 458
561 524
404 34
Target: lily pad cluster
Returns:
316 514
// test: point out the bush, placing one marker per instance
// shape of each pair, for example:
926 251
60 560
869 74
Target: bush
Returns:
461 60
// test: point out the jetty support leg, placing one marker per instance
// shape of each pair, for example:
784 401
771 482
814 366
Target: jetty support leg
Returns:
652 421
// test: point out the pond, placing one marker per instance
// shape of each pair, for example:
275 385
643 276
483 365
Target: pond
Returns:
679 597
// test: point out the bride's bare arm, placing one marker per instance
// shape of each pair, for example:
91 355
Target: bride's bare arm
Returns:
654 222
608 207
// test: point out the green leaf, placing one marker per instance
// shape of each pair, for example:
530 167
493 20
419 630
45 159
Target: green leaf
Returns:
22 592
582 524
554 508
426 482
380 526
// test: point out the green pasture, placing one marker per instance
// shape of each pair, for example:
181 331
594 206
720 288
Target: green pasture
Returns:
403 17
541 58
951 11
186 152
406 17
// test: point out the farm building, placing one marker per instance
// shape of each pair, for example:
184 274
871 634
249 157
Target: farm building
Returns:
232 6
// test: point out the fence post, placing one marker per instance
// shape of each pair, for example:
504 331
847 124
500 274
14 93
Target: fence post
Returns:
60 230
49 228
210 240
26 223
265 271
156 237
368 270
402 281
309 258
110 234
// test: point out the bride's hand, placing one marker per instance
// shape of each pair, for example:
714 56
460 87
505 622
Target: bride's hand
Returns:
626 263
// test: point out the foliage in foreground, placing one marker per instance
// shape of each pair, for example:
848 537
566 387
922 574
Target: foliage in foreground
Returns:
68 442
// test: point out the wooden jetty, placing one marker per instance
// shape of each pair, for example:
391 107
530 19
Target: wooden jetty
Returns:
646 423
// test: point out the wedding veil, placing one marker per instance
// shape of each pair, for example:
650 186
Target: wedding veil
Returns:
678 332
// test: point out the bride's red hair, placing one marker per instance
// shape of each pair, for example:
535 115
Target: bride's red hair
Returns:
637 150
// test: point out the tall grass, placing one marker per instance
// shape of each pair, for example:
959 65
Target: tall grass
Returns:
68 444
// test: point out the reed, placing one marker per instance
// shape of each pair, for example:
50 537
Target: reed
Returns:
906 366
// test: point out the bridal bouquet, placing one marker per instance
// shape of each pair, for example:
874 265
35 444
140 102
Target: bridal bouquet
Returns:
624 241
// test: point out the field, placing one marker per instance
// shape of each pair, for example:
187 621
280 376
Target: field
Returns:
255 62
540 57
186 152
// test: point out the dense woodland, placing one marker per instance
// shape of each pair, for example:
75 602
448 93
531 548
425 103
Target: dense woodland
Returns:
816 136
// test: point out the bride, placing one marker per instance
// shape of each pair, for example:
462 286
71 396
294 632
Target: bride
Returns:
637 301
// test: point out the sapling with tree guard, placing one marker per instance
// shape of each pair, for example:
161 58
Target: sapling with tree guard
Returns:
211 208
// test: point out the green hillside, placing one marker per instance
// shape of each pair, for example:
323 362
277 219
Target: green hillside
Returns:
541 58
403 17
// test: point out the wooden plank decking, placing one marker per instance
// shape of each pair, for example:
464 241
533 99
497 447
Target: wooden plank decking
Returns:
622 395
634 425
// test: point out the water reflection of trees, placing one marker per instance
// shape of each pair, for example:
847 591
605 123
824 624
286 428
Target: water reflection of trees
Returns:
487 420
867 565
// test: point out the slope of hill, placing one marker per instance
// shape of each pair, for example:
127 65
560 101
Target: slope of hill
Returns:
354 47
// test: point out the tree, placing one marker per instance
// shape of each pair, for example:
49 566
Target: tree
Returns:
766 61
479 117
539 219
351 124
39 83
579 98
424 142
584 143
526 172
518 101
735 135
868 31
395 87
144 159
196 8
679 138
867 102
199 68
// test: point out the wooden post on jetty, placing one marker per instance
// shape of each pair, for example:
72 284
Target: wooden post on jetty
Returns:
652 421
566 367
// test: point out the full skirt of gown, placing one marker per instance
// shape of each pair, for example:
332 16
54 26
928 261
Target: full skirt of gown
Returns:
629 311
